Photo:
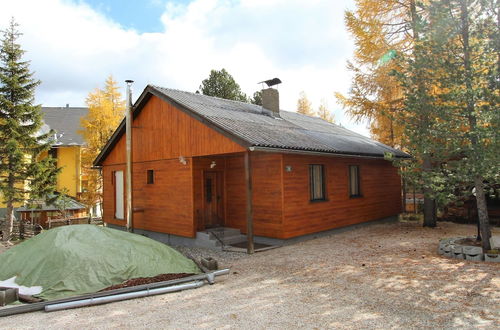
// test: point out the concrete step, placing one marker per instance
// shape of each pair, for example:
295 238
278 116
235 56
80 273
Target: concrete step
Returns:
212 238
234 239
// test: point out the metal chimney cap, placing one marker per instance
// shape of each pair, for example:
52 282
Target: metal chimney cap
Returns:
128 81
271 82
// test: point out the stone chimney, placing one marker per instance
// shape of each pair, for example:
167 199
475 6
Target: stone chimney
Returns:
271 101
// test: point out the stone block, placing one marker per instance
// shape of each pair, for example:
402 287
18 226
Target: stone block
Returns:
472 257
447 251
8 295
210 263
472 250
492 257
495 242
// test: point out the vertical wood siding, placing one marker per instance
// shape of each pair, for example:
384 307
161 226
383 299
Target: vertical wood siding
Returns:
162 131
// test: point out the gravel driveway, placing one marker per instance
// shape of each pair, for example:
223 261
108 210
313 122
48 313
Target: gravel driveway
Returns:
378 276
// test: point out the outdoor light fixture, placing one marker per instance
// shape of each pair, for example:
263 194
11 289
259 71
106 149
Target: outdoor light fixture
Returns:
182 160
213 164
288 168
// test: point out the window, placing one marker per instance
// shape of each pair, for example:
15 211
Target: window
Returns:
119 205
354 186
151 176
317 182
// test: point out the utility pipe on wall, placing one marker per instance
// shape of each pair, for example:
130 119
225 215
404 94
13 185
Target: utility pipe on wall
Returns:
249 204
128 148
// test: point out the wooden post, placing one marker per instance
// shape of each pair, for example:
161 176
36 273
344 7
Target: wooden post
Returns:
128 141
249 191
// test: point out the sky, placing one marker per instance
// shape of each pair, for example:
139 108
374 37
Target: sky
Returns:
73 45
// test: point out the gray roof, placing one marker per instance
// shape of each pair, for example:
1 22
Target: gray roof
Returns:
66 122
71 204
253 126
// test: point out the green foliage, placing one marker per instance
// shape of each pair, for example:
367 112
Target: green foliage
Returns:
222 84
451 89
21 138
256 98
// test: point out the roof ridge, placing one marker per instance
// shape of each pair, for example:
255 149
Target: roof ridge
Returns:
203 95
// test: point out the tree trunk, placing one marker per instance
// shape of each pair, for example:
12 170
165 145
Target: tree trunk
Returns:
9 223
482 210
482 213
404 194
429 204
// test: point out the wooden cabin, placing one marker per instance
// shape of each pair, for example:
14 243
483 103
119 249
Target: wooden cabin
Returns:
44 213
201 162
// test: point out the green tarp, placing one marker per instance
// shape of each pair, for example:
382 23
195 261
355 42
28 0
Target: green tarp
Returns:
78 259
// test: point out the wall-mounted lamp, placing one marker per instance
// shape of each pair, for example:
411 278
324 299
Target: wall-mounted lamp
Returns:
182 160
213 164
288 168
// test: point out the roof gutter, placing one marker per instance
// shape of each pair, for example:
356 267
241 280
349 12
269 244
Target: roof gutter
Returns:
315 153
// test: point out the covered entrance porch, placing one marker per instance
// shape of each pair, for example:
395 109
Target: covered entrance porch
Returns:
222 195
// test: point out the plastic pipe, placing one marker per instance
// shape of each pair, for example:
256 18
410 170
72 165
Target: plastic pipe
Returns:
123 296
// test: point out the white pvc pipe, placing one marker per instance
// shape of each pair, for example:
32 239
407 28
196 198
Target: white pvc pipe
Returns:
123 296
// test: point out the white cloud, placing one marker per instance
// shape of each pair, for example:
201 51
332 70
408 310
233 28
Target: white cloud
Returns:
73 48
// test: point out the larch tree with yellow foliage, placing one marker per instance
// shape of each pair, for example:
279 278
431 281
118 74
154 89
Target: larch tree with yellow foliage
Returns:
106 110
381 29
304 106
324 113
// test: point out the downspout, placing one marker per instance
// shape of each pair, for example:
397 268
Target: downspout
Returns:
128 148
249 206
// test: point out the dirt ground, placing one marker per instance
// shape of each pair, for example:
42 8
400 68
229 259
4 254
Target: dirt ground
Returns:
378 276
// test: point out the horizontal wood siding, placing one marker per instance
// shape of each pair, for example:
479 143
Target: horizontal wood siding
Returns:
165 206
267 194
162 131
380 189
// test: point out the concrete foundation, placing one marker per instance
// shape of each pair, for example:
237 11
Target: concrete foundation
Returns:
202 241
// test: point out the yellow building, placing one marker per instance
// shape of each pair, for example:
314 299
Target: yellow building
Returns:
65 121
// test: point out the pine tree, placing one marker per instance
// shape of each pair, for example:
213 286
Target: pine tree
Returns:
452 96
256 98
106 110
21 138
222 84
304 106
324 113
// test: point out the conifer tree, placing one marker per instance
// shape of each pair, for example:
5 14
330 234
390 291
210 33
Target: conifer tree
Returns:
452 94
324 113
222 84
106 110
21 139
304 106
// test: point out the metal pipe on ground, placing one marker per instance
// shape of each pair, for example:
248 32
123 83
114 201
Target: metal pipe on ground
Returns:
123 296
26 308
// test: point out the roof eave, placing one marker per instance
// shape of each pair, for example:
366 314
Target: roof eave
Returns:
320 153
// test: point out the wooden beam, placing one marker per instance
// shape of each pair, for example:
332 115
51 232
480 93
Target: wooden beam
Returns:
128 150
249 207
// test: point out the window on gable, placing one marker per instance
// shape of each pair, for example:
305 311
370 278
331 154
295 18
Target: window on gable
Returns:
151 176
317 182
354 182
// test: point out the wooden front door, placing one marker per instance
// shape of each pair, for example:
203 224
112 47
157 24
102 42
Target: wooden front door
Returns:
212 199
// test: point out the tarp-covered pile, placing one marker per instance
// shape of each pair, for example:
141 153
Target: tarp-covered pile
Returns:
78 259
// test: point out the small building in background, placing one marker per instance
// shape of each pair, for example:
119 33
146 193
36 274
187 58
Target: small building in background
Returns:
48 215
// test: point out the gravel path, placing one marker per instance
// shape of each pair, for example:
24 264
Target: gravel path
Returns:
378 276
